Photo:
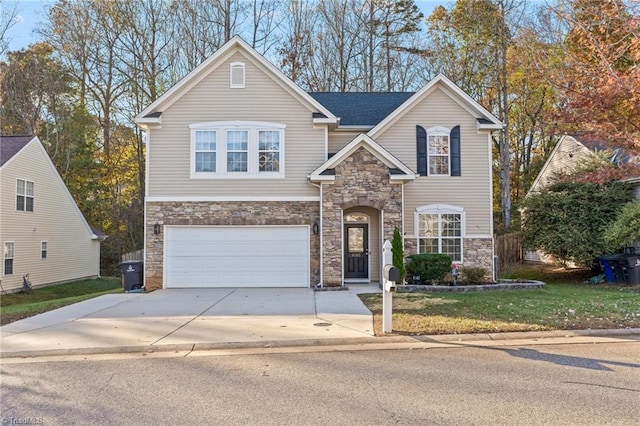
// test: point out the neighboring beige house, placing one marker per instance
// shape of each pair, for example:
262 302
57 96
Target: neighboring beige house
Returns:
568 153
42 231
252 181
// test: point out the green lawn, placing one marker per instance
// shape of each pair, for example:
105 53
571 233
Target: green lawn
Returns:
566 305
16 306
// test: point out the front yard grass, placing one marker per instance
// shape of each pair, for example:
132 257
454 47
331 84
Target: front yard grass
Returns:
15 306
560 306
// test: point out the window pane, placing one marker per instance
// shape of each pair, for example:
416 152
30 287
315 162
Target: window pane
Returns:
205 161
236 161
30 189
356 217
20 202
8 250
438 165
355 240
428 245
20 189
451 225
8 266
206 140
29 206
452 247
439 145
428 224
269 162
237 140
269 140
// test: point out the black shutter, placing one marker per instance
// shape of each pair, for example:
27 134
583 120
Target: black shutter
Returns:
421 150
454 140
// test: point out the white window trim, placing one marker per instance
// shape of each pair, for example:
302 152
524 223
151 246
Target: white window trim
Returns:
438 131
221 127
33 197
44 248
441 209
6 257
237 66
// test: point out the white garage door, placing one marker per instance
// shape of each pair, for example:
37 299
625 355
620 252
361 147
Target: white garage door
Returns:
237 256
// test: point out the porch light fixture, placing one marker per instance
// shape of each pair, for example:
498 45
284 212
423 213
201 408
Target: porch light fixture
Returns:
156 228
316 228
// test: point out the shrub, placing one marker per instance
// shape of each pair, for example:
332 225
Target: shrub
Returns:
568 219
473 274
626 229
429 267
398 254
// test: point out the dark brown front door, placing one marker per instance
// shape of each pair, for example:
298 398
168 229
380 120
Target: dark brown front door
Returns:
356 253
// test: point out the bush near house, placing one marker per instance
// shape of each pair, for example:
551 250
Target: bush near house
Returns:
569 219
626 229
429 267
473 275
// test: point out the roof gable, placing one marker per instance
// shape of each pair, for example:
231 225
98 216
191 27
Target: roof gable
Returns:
485 120
38 155
362 109
153 113
11 145
397 169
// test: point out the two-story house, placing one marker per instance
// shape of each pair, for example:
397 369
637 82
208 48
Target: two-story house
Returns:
251 181
42 231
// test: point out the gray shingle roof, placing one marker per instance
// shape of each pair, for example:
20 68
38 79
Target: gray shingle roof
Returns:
361 108
11 145
617 155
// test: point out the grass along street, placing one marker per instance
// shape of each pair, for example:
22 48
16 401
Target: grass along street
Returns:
562 305
15 306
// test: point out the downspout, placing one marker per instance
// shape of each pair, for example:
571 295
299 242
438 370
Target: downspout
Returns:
319 186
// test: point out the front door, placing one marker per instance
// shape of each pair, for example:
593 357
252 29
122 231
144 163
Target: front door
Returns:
356 253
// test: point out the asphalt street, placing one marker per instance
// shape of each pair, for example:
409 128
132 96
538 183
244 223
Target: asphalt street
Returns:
563 384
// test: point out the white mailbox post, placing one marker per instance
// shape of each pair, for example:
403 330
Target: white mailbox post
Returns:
390 276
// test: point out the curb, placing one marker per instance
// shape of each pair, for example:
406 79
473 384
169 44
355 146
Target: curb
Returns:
632 333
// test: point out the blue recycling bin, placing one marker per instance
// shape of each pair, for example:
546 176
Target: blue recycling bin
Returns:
607 269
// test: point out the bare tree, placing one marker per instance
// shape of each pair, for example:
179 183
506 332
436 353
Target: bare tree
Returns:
8 18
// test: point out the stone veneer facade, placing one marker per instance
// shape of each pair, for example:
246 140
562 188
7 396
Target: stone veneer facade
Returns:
360 180
225 214
477 252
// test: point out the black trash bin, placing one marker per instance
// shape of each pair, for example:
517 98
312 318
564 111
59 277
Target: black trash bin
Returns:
131 274
630 265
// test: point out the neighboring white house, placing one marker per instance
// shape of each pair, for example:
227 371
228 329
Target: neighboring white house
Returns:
569 152
42 231
251 181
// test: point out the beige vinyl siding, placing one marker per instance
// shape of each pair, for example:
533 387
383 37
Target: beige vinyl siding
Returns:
636 191
340 139
262 99
71 253
564 159
472 190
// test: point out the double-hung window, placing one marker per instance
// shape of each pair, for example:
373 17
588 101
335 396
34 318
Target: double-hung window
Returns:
205 150
268 150
9 252
237 149
43 250
24 195
440 229
438 151
438 146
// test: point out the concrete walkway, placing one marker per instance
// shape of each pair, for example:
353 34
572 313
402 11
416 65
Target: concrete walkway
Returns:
166 318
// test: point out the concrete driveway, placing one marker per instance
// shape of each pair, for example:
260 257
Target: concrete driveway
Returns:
192 316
